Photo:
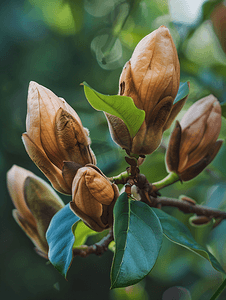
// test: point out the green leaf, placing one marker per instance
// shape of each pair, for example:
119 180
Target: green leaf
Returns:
219 290
111 246
81 233
178 233
61 239
223 109
219 162
138 238
182 92
120 106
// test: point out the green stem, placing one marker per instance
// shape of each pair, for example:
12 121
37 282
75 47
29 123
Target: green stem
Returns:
136 156
219 290
168 180
118 25
123 175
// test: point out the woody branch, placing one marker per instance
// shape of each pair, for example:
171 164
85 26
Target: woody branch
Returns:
150 195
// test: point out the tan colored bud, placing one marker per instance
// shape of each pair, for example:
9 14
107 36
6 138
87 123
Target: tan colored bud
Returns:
193 143
54 134
187 199
36 203
93 198
200 220
151 78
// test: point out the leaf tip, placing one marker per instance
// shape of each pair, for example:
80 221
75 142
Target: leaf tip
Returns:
114 285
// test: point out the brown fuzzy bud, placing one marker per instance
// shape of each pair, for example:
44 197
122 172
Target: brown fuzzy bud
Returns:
151 78
93 198
36 203
54 134
193 143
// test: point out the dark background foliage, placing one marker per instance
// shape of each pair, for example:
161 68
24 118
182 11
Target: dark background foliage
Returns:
60 44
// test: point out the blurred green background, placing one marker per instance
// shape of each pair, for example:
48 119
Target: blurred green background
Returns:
60 44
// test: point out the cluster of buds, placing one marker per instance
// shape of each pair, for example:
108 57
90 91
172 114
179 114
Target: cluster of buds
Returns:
59 145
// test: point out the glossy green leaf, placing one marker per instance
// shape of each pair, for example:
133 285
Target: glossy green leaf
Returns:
178 233
81 233
120 106
61 239
138 238
182 92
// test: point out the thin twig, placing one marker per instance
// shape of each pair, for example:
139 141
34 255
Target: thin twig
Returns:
149 196
186 207
98 248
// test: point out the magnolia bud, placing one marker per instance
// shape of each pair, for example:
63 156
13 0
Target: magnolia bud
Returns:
193 143
54 134
151 78
36 203
93 198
